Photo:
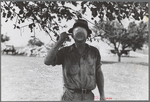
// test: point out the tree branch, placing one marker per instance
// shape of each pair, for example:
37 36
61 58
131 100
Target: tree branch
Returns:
12 10
16 20
50 37
57 23
49 34
119 44
108 43
88 20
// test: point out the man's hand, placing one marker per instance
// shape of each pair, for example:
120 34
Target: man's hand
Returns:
63 36
53 51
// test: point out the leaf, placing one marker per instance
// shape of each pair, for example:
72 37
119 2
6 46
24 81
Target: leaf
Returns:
63 11
53 17
141 15
13 10
82 3
11 17
65 26
119 18
4 14
47 31
7 8
59 19
84 9
57 38
6 20
105 3
74 3
147 15
18 21
21 12
63 2
94 12
116 12
18 27
33 24
136 16
90 40
137 4
56 28
31 27
78 14
55 34
9 14
28 14
143 4
22 20
14 26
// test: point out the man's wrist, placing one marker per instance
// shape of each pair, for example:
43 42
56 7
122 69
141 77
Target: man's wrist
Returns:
57 45
60 41
102 95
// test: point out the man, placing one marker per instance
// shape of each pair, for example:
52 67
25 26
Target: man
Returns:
81 64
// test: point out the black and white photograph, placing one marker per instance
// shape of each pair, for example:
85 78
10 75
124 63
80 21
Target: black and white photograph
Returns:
74 50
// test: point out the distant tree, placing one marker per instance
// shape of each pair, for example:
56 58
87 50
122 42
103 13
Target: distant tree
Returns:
35 41
48 14
4 38
138 35
147 29
120 38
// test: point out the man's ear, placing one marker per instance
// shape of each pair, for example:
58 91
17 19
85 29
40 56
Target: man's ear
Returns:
89 35
72 35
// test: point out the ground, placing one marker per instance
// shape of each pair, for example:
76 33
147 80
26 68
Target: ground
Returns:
28 79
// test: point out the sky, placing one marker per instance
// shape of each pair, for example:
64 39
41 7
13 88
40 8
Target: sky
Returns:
20 38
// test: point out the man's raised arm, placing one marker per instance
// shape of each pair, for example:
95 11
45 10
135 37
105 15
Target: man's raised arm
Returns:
53 51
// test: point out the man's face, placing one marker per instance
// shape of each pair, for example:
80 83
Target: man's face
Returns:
79 34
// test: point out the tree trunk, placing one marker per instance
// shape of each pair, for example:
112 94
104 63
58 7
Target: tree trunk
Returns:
119 58
119 53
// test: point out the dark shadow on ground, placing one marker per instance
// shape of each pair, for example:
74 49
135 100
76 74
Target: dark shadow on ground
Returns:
138 63
129 56
108 62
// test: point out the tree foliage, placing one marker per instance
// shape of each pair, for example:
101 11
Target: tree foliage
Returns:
138 35
4 38
35 41
116 10
48 14
120 38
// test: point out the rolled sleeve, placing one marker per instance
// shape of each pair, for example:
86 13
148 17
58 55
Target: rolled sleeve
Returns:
98 62
59 57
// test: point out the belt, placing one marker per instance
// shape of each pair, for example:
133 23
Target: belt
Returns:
83 91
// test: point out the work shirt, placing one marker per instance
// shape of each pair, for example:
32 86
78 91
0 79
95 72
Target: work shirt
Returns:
79 70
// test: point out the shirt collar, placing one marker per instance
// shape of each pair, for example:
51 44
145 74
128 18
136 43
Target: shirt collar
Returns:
73 47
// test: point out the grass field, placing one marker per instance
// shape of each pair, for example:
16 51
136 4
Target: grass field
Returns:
28 79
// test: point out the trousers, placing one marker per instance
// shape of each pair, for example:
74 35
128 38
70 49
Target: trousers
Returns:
70 95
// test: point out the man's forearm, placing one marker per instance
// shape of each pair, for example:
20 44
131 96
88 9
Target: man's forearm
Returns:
52 53
100 82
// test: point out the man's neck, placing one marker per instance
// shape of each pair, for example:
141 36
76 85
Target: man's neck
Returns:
80 47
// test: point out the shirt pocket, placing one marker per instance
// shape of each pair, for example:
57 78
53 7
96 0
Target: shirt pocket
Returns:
91 69
91 66
73 70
